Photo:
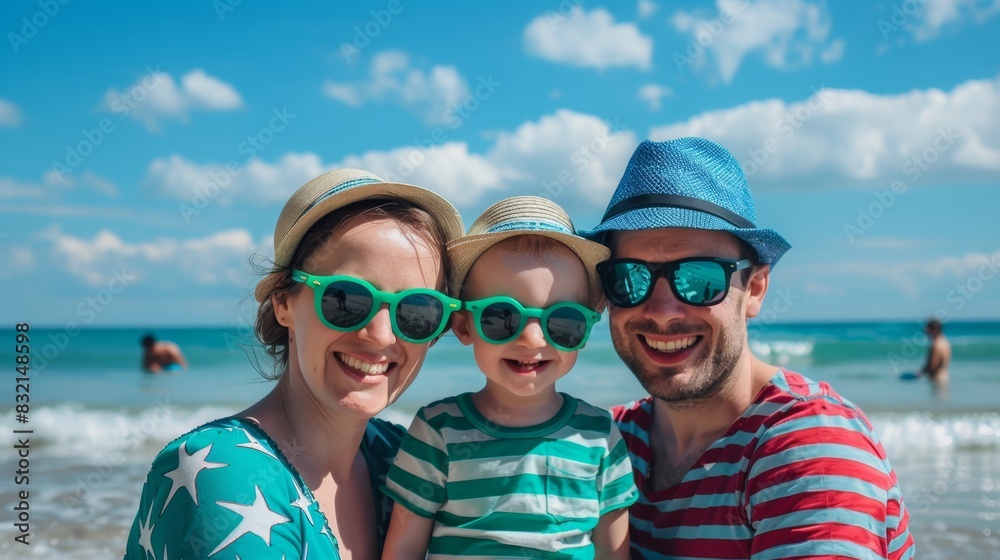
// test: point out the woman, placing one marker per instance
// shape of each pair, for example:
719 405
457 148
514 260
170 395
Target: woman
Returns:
348 312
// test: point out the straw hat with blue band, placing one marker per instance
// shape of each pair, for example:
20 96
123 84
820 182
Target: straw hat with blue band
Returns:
337 189
688 183
525 215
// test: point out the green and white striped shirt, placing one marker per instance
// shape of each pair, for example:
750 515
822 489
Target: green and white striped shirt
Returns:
496 492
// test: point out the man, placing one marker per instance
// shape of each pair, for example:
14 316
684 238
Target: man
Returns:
938 355
733 457
161 355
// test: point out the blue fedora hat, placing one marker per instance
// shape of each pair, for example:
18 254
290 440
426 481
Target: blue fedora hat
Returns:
688 183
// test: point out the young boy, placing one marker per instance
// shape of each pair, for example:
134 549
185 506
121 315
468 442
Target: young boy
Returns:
516 469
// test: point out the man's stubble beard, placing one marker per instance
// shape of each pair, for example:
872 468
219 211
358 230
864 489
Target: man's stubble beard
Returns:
710 373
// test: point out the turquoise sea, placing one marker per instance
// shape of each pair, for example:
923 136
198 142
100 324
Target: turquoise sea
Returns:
98 421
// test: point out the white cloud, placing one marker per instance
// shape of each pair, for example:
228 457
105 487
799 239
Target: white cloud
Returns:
646 8
429 94
653 93
51 185
99 184
589 39
87 178
559 153
566 152
156 97
907 275
209 93
849 138
449 170
932 18
10 114
833 52
12 188
256 182
19 260
786 33
219 258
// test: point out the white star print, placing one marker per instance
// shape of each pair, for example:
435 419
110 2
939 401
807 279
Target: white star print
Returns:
186 473
258 519
303 503
146 535
254 443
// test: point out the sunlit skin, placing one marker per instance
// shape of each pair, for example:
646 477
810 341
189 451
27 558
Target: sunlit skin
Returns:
392 260
516 395
701 389
320 407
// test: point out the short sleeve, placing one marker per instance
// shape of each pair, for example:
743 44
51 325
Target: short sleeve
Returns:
219 493
418 476
615 484
819 484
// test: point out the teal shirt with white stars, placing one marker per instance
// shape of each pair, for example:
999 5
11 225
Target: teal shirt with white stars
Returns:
225 491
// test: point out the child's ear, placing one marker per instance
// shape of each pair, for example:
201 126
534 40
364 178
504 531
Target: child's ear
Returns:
461 325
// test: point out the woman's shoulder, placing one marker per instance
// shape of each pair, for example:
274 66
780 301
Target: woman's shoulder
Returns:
227 452
223 436
204 482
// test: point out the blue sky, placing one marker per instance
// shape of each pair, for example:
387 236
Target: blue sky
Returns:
148 147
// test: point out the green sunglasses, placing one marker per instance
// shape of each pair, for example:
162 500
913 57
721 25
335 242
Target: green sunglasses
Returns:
346 303
501 319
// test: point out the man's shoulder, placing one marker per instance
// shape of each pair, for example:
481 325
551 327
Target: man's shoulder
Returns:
633 411
794 391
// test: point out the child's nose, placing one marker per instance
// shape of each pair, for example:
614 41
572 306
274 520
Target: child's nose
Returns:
532 336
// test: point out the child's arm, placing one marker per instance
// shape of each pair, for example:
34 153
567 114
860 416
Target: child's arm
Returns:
408 535
610 536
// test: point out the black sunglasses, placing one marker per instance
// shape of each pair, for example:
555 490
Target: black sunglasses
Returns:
698 281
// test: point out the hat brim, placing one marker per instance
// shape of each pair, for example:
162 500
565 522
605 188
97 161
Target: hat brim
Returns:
768 244
463 253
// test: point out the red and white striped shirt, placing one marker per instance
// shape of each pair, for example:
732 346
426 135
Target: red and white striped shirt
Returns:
800 474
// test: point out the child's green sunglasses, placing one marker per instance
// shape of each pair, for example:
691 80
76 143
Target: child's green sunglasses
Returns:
501 319
346 303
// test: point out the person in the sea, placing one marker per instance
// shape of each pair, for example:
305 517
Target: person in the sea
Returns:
297 474
733 457
938 355
161 355
516 469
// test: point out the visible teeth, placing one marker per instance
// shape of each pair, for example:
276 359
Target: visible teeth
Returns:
528 364
364 367
671 346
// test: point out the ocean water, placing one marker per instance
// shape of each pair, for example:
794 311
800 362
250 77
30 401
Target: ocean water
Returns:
97 421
